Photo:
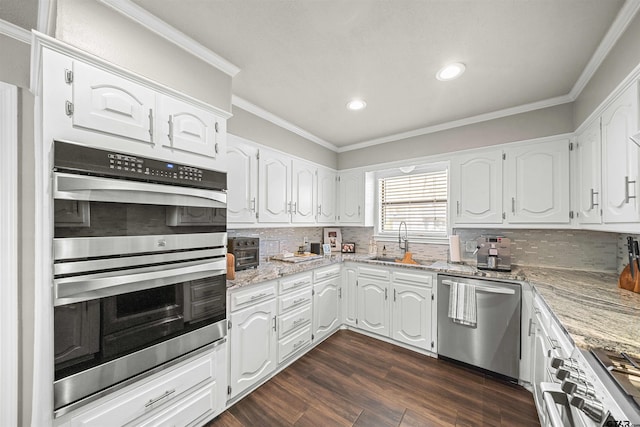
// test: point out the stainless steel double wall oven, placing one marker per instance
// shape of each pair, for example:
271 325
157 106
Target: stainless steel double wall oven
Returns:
139 268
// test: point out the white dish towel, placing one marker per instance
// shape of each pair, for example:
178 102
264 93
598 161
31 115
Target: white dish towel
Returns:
462 304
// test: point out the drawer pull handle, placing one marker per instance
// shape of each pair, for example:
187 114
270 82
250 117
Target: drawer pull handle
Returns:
299 321
301 282
298 344
299 300
554 343
255 297
164 395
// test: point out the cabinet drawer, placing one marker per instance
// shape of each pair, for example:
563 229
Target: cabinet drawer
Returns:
296 319
187 410
297 282
326 273
295 343
154 394
252 295
424 279
294 300
559 340
374 273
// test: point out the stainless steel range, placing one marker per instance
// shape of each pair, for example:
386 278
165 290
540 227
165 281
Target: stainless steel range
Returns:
139 268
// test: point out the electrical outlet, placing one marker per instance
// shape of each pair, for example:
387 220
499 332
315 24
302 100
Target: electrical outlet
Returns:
305 240
470 245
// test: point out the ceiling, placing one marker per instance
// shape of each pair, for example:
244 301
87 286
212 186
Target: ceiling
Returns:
304 60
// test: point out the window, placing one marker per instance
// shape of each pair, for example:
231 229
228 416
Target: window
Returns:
419 199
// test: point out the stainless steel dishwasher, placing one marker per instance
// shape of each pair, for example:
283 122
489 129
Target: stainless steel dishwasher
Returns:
493 342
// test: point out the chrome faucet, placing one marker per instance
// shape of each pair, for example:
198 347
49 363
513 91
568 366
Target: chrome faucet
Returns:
405 239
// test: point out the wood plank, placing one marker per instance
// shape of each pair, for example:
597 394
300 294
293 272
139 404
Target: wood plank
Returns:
351 379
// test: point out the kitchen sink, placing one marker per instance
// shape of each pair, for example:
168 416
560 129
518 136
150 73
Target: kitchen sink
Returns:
393 260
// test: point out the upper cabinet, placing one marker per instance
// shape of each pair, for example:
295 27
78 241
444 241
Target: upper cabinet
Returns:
242 179
476 188
327 211
351 197
108 103
586 175
96 103
274 191
537 183
620 157
304 192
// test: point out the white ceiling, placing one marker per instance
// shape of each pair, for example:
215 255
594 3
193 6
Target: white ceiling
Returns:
303 60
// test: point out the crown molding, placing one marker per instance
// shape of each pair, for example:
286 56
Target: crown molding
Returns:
276 120
626 14
551 102
158 26
44 11
15 32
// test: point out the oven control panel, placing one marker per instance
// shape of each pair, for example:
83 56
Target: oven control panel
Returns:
78 158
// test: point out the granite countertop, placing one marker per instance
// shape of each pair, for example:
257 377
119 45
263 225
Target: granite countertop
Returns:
589 305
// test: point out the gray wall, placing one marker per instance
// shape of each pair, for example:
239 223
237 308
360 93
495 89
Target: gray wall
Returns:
254 128
534 124
98 29
15 61
620 61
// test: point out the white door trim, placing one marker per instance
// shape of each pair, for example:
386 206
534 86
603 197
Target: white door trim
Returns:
9 254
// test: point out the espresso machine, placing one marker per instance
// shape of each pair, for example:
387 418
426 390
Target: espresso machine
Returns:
494 253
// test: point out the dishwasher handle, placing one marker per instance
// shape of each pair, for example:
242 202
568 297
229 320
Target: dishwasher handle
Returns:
487 289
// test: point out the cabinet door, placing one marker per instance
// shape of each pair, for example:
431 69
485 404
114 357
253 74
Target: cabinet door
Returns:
253 345
108 103
326 196
350 197
373 306
242 181
620 158
411 314
326 309
587 174
537 183
349 296
185 127
303 192
274 187
476 185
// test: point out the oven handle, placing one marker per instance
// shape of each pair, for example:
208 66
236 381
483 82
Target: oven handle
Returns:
91 188
82 288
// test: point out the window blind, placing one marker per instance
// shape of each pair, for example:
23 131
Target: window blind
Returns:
420 200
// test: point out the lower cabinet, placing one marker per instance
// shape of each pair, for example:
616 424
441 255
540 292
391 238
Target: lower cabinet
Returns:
252 337
189 393
326 301
294 315
391 302
413 310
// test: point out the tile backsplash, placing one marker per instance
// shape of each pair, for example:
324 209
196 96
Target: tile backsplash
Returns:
580 249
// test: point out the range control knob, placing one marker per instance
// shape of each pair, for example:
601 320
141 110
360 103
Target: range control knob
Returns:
593 409
575 388
568 374
570 364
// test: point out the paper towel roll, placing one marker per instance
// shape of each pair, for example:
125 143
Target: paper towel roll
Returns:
454 248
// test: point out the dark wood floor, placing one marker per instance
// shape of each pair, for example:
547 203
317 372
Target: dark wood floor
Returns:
353 380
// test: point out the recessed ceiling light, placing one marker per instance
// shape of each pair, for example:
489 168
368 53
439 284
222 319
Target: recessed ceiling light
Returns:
451 71
356 104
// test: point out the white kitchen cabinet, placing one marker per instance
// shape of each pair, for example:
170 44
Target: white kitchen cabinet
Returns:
412 309
351 197
184 127
327 212
620 158
198 384
588 194
294 315
476 188
242 181
326 302
349 295
274 191
537 183
287 189
108 103
252 337
373 300
304 194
